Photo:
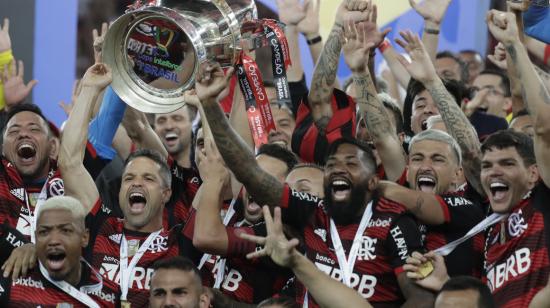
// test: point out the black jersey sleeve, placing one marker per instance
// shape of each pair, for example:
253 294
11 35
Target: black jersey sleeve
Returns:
403 239
298 207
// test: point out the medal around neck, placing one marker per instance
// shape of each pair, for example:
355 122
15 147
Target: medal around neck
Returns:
155 48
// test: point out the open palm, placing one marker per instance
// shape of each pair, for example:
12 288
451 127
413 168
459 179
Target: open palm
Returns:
420 67
432 10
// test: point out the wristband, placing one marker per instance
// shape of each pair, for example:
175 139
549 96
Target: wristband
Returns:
314 40
431 31
384 45
546 54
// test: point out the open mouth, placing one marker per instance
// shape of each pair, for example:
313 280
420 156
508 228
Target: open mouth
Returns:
341 189
252 207
26 151
424 125
499 190
171 137
426 183
137 202
55 260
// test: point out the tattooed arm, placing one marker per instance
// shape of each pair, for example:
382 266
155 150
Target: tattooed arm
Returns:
535 94
324 75
263 187
456 121
356 54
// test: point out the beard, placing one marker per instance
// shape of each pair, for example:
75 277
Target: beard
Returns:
346 212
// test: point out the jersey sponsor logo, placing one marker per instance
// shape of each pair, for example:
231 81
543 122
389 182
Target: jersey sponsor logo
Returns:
115 238
139 279
56 187
106 297
516 264
516 224
12 239
19 193
402 249
380 223
366 250
105 209
322 233
324 259
231 279
457 201
304 196
29 282
364 284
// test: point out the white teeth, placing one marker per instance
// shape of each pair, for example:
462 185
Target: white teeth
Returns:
497 184
136 195
339 182
171 135
425 179
25 145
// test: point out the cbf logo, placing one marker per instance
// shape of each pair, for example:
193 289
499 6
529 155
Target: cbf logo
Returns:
159 244
366 250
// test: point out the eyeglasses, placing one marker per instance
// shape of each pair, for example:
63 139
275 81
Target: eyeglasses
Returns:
492 91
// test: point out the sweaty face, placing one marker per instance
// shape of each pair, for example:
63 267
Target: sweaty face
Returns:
276 168
176 288
174 129
306 179
448 68
495 102
423 107
27 145
457 299
59 242
505 178
523 124
142 195
346 183
432 167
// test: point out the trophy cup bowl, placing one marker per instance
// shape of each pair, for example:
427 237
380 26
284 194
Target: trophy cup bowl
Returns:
155 50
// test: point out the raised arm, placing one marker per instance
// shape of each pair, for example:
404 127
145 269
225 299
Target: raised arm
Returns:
422 69
324 74
535 94
291 12
433 12
326 291
263 187
140 131
309 27
78 182
359 40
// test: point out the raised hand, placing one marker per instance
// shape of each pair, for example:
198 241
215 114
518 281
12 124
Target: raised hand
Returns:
421 67
503 26
98 41
68 107
431 10
211 165
97 76
15 89
354 10
356 47
211 81
519 5
499 57
291 12
476 102
310 24
5 41
276 246
435 280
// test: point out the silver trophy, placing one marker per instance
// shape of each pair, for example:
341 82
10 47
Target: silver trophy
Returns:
155 48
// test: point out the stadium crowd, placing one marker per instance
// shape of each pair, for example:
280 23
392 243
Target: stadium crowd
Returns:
425 186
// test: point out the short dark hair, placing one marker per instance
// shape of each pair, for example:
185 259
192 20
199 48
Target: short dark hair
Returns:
26 107
283 301
280 153
504 80
367 158
460 283
396 112
509 138
308 165
155 156
456 89
177 262
464 74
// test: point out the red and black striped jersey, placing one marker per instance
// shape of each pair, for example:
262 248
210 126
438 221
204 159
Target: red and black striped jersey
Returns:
516 252
104 252
34 290
308 142
390 237
185 184
13 192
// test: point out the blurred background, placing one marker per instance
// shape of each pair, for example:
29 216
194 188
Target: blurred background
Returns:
54 37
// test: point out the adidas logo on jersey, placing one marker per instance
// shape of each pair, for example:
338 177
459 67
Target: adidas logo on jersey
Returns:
115 238
321 233
19 193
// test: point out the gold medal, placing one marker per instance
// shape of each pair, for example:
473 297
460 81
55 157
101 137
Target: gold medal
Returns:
125 304
425 269
133 246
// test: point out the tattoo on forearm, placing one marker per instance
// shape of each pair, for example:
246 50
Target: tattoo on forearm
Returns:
324 74
237 156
